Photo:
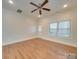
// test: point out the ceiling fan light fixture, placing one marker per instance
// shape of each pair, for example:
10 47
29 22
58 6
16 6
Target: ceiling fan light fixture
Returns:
65 5
40 7
39 16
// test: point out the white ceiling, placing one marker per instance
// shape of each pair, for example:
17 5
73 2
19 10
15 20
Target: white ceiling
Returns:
54 5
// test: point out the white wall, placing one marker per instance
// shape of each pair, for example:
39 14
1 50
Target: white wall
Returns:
16 27
69 14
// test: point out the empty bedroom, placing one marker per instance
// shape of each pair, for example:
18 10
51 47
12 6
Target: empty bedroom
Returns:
39 29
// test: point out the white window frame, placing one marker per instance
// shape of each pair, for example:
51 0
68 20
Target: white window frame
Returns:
58 28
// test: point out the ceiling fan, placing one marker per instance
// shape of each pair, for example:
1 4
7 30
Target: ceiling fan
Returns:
40 7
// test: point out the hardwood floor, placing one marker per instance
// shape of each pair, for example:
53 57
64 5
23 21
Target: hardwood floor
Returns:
37 49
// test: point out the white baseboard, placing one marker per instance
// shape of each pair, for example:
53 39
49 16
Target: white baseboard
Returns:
61 42
23 39
46 38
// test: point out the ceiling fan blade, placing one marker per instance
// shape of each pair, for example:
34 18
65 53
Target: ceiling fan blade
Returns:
46 9
34 4
34 10
40 12
44 3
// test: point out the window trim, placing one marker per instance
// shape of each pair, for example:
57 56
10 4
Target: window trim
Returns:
58 28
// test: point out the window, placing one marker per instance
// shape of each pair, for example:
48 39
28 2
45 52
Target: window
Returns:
61 29
53 28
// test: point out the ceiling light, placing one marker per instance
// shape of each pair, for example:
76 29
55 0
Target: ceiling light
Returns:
11 2
39 15
65 5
